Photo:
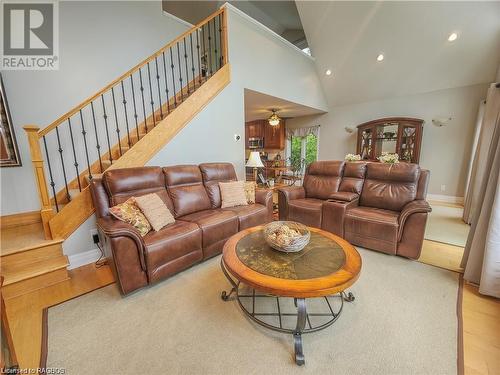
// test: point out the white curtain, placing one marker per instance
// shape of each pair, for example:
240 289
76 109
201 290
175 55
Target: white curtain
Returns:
481 260
467 214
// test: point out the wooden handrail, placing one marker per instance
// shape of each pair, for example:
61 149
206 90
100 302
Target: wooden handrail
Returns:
135 69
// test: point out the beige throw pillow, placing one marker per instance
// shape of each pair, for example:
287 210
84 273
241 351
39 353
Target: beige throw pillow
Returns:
233 194
250 192
155 210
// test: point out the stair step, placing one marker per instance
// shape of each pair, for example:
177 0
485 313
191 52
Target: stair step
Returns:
26 268
37 276
22 238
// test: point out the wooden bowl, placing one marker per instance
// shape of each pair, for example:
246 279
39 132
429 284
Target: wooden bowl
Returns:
296 244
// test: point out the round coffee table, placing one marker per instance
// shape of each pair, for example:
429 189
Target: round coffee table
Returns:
325 268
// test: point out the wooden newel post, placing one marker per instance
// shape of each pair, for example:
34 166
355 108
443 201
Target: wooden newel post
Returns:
46 210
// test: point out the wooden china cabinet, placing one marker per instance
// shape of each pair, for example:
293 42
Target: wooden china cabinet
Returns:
401 135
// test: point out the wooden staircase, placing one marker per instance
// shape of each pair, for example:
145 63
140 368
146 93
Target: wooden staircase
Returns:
166 90
29 261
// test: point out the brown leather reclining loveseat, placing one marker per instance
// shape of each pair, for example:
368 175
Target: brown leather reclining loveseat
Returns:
201 228
374 205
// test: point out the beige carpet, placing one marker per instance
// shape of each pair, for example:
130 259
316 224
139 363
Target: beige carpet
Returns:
403 321
445 225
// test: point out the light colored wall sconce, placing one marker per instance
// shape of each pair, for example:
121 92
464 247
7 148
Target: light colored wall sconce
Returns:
441 121
349 129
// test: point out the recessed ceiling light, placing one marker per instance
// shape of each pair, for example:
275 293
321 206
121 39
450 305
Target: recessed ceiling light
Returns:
328 72
452 37
380 57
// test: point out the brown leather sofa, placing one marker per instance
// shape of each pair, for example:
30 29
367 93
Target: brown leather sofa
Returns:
373 205
201 228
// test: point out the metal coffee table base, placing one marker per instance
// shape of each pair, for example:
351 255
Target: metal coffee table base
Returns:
303 317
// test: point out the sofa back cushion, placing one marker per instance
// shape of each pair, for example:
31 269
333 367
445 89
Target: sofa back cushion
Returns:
121 184
323 178
390 186
185 187
354 177
212 174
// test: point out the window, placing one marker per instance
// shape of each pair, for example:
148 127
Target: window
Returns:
304 148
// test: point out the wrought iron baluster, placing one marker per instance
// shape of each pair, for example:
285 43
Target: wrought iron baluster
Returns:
124 101
221 41
205 53
192 60
187 69
135 108
74 154
151 97
62 163
215 46
210 49
98 146
116 121
180 72
143 102
166 84
198 52
84 133
173 76
52 183
158 83
105 116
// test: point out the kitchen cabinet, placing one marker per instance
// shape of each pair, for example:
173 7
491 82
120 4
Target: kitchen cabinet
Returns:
253 129
273 136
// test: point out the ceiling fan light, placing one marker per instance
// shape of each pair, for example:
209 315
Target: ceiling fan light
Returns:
274 119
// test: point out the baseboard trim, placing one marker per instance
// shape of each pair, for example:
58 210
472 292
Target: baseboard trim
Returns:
81 259
445 198
22 218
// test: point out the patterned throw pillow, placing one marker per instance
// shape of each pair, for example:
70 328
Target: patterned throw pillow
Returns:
131 214
233 194
155 210
250 192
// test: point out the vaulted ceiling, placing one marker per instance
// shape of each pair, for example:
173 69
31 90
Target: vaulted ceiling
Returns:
347 37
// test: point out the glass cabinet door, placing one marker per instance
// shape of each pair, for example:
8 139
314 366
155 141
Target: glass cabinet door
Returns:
408 143
366 144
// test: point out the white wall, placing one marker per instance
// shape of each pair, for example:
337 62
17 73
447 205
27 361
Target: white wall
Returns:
445 150
99 41
257 62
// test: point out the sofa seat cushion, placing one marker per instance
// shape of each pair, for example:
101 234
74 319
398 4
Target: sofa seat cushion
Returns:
250 215
375 228
306 211
216 225
178 241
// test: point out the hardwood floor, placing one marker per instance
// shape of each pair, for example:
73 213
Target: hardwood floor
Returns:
481 315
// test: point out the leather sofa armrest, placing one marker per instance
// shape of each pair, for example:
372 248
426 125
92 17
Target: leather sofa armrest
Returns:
344 196
265 197
333 215
287 194
292 192
418 205
112 228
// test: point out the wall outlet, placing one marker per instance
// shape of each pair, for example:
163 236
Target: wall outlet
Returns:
443 187
94 236
237 137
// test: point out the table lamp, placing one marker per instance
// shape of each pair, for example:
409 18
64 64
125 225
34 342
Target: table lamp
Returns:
254 162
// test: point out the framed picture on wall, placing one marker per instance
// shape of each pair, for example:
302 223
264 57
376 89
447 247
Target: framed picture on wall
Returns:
9 152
